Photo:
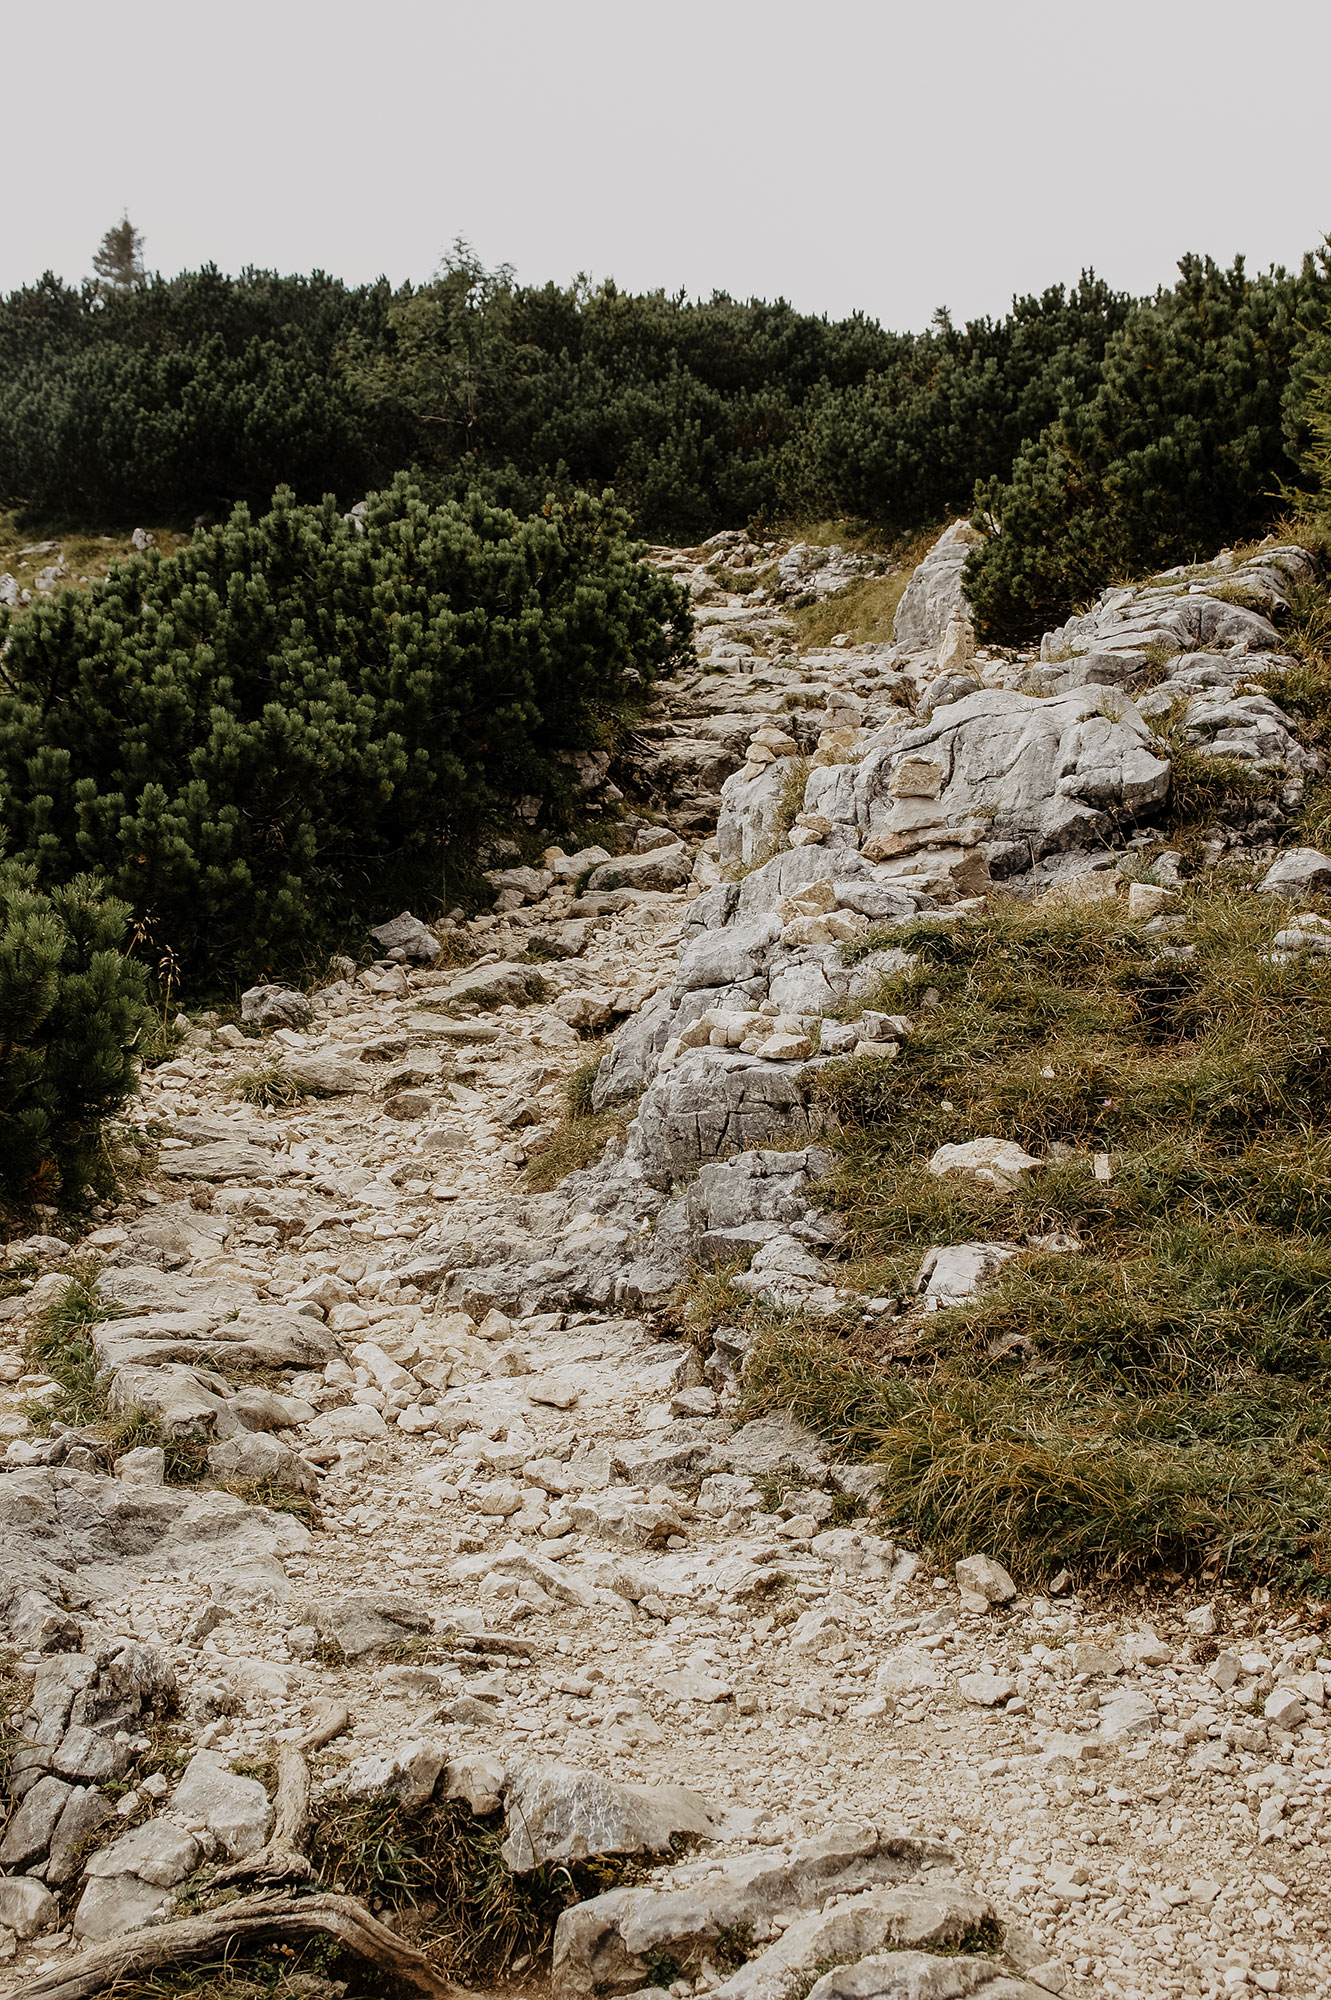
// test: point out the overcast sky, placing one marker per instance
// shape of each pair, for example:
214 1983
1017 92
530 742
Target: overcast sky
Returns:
842 153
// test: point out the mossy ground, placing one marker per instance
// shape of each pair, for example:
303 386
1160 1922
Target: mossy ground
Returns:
1146 1388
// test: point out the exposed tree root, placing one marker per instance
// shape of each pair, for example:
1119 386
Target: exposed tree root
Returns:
264 1918
281 1860
255 1920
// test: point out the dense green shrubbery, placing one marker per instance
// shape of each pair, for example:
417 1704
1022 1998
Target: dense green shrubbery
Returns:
71 1008
956 406
170 396
1308 417
294 719
1181 446
175 396
1102 435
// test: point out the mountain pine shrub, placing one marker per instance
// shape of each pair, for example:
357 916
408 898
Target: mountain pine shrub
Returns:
166 398
953 406
1308 418
1180 446
163 397
297 719
72 1007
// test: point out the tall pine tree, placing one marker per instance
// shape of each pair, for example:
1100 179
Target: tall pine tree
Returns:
118 261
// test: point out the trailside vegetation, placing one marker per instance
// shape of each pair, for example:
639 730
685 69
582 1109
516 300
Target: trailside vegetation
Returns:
73 1007
303 717
1096 434
164 398
1308 418
1145 1387
1184 443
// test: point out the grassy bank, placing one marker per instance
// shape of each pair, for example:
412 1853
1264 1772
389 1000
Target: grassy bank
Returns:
1146 1387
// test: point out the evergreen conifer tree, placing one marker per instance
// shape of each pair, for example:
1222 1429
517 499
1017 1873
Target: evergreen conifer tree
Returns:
118 262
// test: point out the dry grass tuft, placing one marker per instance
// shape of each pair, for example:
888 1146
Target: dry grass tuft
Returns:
452 1892
271 1086
581 1136
1153 1387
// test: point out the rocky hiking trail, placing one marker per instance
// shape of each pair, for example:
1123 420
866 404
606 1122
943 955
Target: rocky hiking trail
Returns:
528 1566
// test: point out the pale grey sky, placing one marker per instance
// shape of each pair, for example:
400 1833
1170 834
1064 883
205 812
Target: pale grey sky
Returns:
842 153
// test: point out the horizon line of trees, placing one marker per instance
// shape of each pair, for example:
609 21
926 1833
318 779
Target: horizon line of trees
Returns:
1088 431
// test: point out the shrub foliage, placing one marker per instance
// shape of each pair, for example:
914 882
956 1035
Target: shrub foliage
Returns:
301 712
1181 446
1308 417
71 1009
171 396
1099 433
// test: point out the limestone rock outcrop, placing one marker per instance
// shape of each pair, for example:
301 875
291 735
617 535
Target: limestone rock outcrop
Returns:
933 600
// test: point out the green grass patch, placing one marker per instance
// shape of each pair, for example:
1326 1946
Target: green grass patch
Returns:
60 1345
14 1693
162 1040
1156 1395
579 1088
575 1143
865 609
1303 690
1207 790
86 557
271 1085
1160 657
1245 595
792 799
186 1454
